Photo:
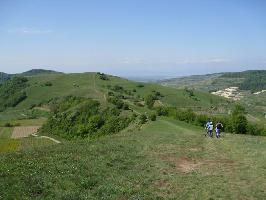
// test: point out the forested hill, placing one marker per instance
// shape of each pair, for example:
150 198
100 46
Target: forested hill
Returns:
253 80
33 72
4 77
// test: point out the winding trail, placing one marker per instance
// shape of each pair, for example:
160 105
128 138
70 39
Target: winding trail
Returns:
54 140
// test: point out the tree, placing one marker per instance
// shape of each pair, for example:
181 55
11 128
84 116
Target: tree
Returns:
143 118
239 121
149 101
238 110
240 124
152 117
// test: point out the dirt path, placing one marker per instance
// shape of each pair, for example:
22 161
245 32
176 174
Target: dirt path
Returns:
95 89
54 140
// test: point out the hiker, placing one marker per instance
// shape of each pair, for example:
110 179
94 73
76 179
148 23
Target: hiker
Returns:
219 126
210 129
207 127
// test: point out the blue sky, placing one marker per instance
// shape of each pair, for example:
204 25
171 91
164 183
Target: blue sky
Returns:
133 37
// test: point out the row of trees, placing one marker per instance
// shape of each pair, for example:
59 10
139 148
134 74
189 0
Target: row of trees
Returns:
235 123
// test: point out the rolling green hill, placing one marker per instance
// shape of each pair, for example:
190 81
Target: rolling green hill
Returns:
42 88
253 80
35 72
151 156
247 81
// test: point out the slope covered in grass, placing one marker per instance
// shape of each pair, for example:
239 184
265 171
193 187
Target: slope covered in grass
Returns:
91 86
166 159
253 80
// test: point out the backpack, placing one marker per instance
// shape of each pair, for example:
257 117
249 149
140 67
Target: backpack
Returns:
219 125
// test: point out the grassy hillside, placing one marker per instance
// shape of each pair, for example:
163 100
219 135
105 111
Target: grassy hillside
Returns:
253 80
145 159
166 159
34 72
42 88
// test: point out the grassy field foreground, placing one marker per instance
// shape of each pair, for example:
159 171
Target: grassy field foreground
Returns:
166 159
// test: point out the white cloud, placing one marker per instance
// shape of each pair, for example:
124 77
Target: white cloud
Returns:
30 31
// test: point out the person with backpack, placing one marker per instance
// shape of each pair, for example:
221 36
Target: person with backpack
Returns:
210 129
219 126
207 127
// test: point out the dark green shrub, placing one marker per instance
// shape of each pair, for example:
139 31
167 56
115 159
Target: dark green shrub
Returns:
81 118
140 85
142 119
149 101
162 111
152 117
240 124
48 84
125 106
102 76
8 124
201 120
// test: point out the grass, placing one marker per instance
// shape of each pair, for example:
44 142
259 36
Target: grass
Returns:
31 143
166 159
7 144
5 133
89 85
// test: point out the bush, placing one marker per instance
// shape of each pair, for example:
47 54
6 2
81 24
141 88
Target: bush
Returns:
149 101
77 117
48 84
140 85
143 119
162 111
152 117
8 124
125 106
187 115
102 76
201 120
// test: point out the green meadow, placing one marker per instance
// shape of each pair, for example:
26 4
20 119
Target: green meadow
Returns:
161 159
166 159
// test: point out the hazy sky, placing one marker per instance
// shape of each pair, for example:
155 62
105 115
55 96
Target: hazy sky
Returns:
133 37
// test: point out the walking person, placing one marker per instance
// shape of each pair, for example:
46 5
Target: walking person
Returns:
219 126
207 127
210 129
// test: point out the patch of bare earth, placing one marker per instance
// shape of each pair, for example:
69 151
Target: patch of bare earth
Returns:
24 131
161 184
43 108
187 165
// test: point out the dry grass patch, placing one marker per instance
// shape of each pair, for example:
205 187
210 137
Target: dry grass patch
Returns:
24 131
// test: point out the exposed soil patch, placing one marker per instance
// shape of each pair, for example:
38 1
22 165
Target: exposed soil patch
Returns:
196 149
24 131
161 184
183 164
187 165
